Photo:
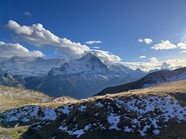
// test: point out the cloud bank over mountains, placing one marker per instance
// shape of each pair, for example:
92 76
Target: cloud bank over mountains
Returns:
9 50
38 36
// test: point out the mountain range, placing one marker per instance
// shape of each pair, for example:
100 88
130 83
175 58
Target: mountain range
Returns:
79 78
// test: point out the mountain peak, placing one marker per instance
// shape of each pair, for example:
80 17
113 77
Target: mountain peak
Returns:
89 57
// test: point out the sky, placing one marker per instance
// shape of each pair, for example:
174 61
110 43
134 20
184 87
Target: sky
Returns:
141 34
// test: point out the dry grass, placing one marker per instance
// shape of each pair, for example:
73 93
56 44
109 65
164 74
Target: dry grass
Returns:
11 97
13 133
20 97
172 88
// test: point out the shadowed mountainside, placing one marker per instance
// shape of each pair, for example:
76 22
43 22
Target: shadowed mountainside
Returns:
149 80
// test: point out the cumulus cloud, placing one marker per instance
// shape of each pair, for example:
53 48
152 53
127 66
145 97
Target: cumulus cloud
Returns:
147 66
181 45
146 40
164 45
183 51
21 30
165 65
93 42
140 40
105 55
27 14
8 50
39 36
96 47
142 57
153 60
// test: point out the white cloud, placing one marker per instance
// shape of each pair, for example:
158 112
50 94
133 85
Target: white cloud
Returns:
96 47
183 51
105 55
21 30
140 40
39 36
165 65
27 14
164 45
8 50
146 40
147 66
182 45
153 60
142 57
93 42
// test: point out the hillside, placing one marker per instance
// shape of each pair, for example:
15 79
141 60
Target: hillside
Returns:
11 97
155 112
152 79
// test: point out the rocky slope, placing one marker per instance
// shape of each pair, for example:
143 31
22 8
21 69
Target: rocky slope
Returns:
7 79
147 113
149 80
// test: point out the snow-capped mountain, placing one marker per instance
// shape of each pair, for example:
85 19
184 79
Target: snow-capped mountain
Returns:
30 66
7 79
78 78
119 68
81 78
152 79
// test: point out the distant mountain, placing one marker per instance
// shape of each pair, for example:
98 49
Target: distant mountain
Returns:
157 112
7 79
79 78
152 79
30 66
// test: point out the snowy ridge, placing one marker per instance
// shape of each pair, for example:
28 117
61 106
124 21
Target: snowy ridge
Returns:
152 79
166 76
88 64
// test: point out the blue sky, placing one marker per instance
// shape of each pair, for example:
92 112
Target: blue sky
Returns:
139 33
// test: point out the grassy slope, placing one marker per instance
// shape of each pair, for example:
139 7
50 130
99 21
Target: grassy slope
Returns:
11 97
173 130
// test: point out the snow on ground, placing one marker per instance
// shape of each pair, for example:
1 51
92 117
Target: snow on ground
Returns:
131 113
27 113
66 109
77 132
82 108
113 120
